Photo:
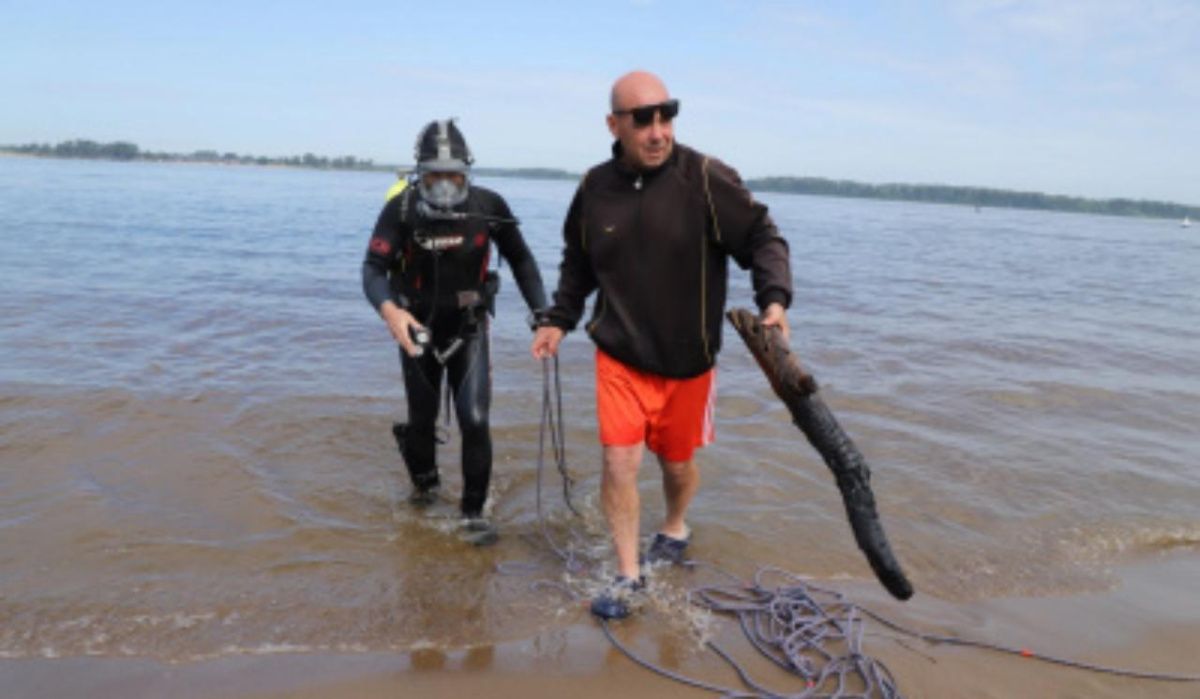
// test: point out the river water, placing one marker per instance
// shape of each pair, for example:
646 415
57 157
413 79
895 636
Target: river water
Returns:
195 409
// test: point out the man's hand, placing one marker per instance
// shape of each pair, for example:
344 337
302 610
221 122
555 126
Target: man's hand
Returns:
776 316
545 341
401 323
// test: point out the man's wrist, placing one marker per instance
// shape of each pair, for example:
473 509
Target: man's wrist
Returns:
538 318
774 296
389 309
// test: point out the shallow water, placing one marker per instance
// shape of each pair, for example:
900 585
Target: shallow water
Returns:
195 409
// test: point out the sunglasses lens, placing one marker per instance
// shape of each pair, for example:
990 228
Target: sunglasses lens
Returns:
644 116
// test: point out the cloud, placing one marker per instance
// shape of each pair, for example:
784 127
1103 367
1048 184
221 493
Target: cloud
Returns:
1154 25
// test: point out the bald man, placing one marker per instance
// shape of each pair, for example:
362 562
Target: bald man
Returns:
651 230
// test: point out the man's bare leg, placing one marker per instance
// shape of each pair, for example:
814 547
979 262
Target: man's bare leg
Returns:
622 507
680 481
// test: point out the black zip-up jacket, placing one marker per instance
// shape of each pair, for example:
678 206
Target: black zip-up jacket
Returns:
398 268
656 244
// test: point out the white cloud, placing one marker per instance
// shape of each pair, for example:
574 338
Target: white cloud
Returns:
1105 25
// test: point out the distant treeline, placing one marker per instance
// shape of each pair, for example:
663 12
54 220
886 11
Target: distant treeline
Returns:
530 173
973 196
940 194
123 150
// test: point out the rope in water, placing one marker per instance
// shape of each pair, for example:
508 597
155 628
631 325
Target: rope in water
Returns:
552 423
809 631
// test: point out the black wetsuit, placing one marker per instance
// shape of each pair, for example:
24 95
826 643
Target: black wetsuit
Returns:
437 269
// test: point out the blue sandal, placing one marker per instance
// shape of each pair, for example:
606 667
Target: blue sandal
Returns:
667 549
613 603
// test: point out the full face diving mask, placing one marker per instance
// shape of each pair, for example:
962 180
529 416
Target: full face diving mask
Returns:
443 190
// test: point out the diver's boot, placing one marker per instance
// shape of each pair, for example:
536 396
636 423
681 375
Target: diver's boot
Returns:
417 450
478 530
425 490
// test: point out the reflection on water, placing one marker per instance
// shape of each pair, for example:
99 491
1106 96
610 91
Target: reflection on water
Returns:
195 446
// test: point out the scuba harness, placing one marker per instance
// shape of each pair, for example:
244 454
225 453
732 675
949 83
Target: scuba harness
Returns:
471 303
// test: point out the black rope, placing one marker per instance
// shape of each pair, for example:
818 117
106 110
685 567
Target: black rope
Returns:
810 632
1028 653
552 425
552 406
558 440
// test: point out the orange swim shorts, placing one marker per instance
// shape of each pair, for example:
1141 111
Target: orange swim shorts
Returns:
672 416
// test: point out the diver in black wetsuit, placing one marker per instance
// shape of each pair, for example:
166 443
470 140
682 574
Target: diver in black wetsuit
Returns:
426 272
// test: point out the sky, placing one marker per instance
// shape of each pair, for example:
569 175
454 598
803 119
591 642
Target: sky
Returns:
1094 98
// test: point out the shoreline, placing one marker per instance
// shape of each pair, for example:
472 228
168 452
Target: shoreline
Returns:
1144 623
773 184
219 163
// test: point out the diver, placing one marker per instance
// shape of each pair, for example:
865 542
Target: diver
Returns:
427 272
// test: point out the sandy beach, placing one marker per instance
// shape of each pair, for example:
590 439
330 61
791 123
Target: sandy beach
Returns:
1137 625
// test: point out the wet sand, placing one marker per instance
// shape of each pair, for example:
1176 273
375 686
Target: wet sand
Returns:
1147 622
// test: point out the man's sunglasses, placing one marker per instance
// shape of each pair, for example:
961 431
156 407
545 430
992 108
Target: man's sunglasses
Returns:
644 116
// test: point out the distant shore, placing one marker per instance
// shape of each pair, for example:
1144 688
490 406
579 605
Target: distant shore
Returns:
978 197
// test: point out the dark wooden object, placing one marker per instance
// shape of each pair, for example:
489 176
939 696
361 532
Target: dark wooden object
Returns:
798 390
